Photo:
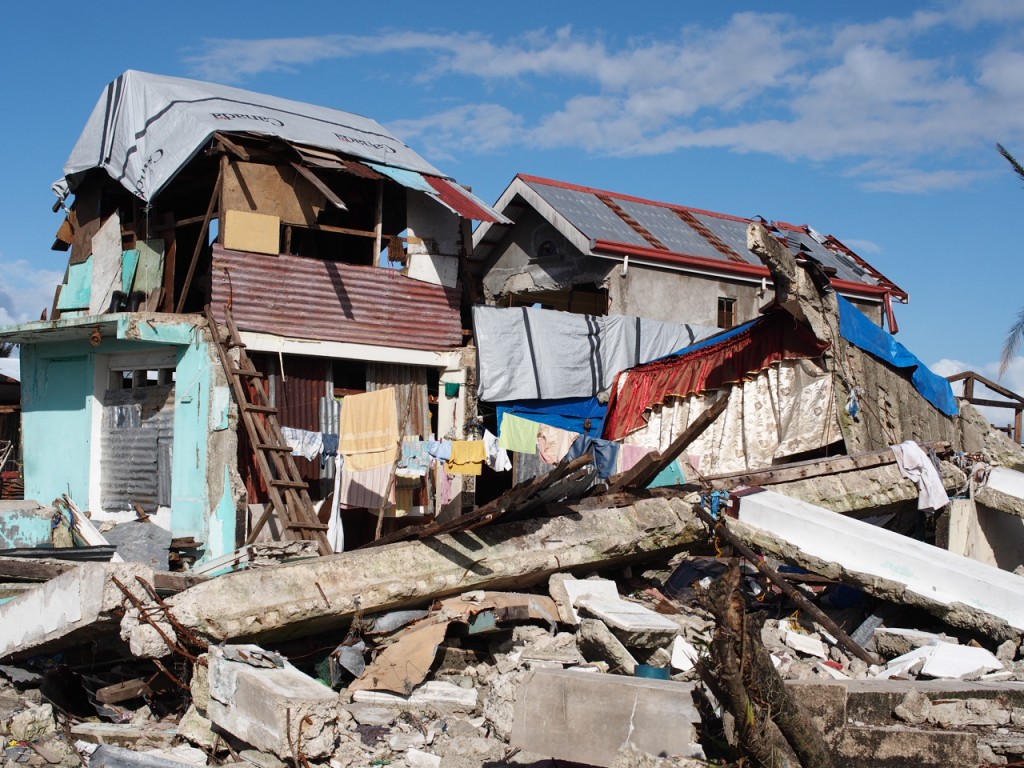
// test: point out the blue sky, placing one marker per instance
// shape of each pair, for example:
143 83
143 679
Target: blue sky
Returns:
875 122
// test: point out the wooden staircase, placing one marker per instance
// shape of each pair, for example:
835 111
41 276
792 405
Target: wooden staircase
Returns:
288 492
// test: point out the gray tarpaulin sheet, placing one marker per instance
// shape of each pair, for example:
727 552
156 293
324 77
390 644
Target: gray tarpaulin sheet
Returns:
145 128
527 353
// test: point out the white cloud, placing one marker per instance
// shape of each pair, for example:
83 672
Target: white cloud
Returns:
864 246
879 97
25 291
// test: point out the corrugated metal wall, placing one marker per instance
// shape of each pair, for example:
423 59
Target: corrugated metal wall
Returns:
136 441
410 383
315 299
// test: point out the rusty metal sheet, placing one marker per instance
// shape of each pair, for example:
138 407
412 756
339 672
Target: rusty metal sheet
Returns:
298 390
330 301
464 202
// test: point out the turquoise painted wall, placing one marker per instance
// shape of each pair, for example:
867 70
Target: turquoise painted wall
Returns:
57 388
56 400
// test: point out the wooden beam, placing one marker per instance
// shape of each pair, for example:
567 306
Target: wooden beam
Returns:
719 528
971 376
317 182
231 147
996 403
802 470
129 689
651 465
218 185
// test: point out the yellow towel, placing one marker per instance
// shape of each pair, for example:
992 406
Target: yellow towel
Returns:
368 430
468 457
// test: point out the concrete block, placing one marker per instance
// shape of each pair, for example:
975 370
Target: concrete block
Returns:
901 747
433 693
944 660
74 607
275 709
586 717
598 643
873 701
634 624
577 589
127 735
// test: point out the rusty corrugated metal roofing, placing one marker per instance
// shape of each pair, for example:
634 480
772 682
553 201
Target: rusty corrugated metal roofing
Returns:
307 298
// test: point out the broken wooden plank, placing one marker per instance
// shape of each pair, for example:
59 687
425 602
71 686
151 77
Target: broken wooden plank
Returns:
317 182
519 500
129 689
720 528
802 470
651 465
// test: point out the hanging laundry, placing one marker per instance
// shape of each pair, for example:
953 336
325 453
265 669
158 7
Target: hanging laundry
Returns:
606 454
415 459
367 488
303 442
630 455
497 457
518 434
915 465
369 429
468 457
440 449
443 482
553 443
330 448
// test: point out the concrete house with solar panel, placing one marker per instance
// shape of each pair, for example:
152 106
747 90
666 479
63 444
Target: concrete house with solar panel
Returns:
591 251
238 264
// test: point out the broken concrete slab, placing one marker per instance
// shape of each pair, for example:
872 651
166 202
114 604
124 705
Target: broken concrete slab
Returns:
278 710
74 607
312 596
126 734
567 592
118 757
898 747
868 491
945 660
961 591
434 693
634 624
586 717
1003 491
597 643
896 641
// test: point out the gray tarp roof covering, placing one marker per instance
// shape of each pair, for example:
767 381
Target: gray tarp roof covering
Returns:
145 128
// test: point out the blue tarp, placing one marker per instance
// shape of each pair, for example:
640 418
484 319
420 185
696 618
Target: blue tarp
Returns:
570 413
856 328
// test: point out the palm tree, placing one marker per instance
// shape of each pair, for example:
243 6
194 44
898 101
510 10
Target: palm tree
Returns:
1016 332
6 348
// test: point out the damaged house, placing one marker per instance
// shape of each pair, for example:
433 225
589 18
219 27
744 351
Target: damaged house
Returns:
332 250
745 525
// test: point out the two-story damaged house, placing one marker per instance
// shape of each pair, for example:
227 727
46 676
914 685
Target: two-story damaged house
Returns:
335 248
597 252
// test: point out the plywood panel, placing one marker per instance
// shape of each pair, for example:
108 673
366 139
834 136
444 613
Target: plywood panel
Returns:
272 190
255 232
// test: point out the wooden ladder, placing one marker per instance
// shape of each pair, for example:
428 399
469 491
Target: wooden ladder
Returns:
288 492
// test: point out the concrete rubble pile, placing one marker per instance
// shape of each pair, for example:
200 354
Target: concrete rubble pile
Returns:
580 637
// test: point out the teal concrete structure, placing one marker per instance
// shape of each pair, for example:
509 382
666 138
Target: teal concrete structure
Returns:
63 382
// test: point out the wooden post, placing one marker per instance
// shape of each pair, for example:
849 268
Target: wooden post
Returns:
378 227
214 200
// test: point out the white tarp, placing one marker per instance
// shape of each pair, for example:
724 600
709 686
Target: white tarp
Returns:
784 410
528 353
145 128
